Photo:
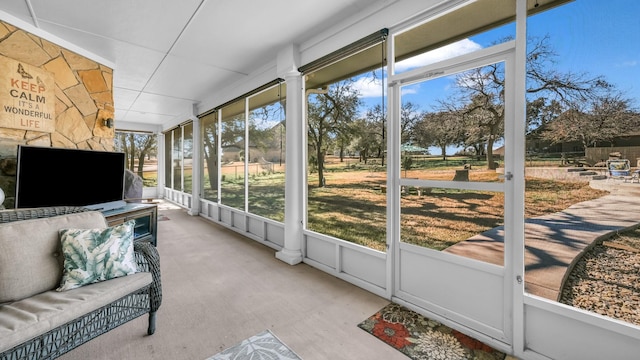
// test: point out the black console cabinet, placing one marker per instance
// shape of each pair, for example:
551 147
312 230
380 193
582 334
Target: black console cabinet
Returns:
145 216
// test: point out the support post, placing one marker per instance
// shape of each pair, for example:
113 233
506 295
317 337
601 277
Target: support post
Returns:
294 207
161 165
195 168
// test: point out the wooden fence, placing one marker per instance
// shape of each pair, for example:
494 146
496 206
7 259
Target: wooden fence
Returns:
597 154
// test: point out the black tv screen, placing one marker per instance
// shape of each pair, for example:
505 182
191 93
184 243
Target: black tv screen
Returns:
69 177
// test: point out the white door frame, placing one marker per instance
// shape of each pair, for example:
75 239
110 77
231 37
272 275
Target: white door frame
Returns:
445 296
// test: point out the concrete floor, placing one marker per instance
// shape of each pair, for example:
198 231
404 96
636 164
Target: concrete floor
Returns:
220 288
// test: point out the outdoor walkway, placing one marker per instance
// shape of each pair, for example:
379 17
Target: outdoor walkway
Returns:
553 242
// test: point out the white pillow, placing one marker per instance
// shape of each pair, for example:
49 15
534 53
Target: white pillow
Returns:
93 255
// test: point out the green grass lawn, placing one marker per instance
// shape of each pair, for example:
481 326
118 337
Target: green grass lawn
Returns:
352 206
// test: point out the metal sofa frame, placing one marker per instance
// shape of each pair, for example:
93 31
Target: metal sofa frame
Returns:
64 338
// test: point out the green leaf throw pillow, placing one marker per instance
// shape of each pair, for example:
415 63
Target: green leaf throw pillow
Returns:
93 255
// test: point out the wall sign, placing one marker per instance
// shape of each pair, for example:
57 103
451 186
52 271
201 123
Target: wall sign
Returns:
27 97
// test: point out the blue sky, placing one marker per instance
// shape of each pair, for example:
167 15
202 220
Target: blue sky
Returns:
595 37
592 36
600 37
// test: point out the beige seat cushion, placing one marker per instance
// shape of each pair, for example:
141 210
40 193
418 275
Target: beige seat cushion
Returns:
30 253
28 318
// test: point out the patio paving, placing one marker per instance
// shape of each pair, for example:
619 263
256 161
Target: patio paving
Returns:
554 242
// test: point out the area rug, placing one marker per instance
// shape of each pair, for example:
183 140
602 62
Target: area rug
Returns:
263 346
421 338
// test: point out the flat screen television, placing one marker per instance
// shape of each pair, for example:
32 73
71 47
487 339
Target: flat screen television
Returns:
49 176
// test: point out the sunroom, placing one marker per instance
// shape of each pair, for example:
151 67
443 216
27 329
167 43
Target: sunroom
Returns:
393 150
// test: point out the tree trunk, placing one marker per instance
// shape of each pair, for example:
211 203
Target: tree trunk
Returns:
444 152
132 152
491 165
383 144
141 164
320 155
125 149
212 169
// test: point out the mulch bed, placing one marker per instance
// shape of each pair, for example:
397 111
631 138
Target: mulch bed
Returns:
606 280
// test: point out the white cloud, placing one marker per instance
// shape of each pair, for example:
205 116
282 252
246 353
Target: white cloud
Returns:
446 52
630 63
371 87
409 90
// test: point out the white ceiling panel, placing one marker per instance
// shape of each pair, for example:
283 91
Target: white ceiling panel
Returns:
164 105
170 54
145 118
134 77
153 24
87 41
183 78
124 98
252 38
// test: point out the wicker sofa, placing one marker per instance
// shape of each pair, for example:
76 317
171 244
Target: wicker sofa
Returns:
48 323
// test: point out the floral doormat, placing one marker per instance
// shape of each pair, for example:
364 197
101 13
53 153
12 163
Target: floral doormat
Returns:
422 338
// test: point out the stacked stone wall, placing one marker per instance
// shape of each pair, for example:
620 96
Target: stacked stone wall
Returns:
84 98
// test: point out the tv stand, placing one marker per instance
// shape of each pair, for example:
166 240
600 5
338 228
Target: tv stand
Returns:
145 216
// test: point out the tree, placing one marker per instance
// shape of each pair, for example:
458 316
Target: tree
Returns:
145 144
480 95
132 151
600 119
542 111
138 146
367 137
343 140
440 129
410 115
377 122
266 130
544 79
121 145
484 120
480 103
329 115
210 152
